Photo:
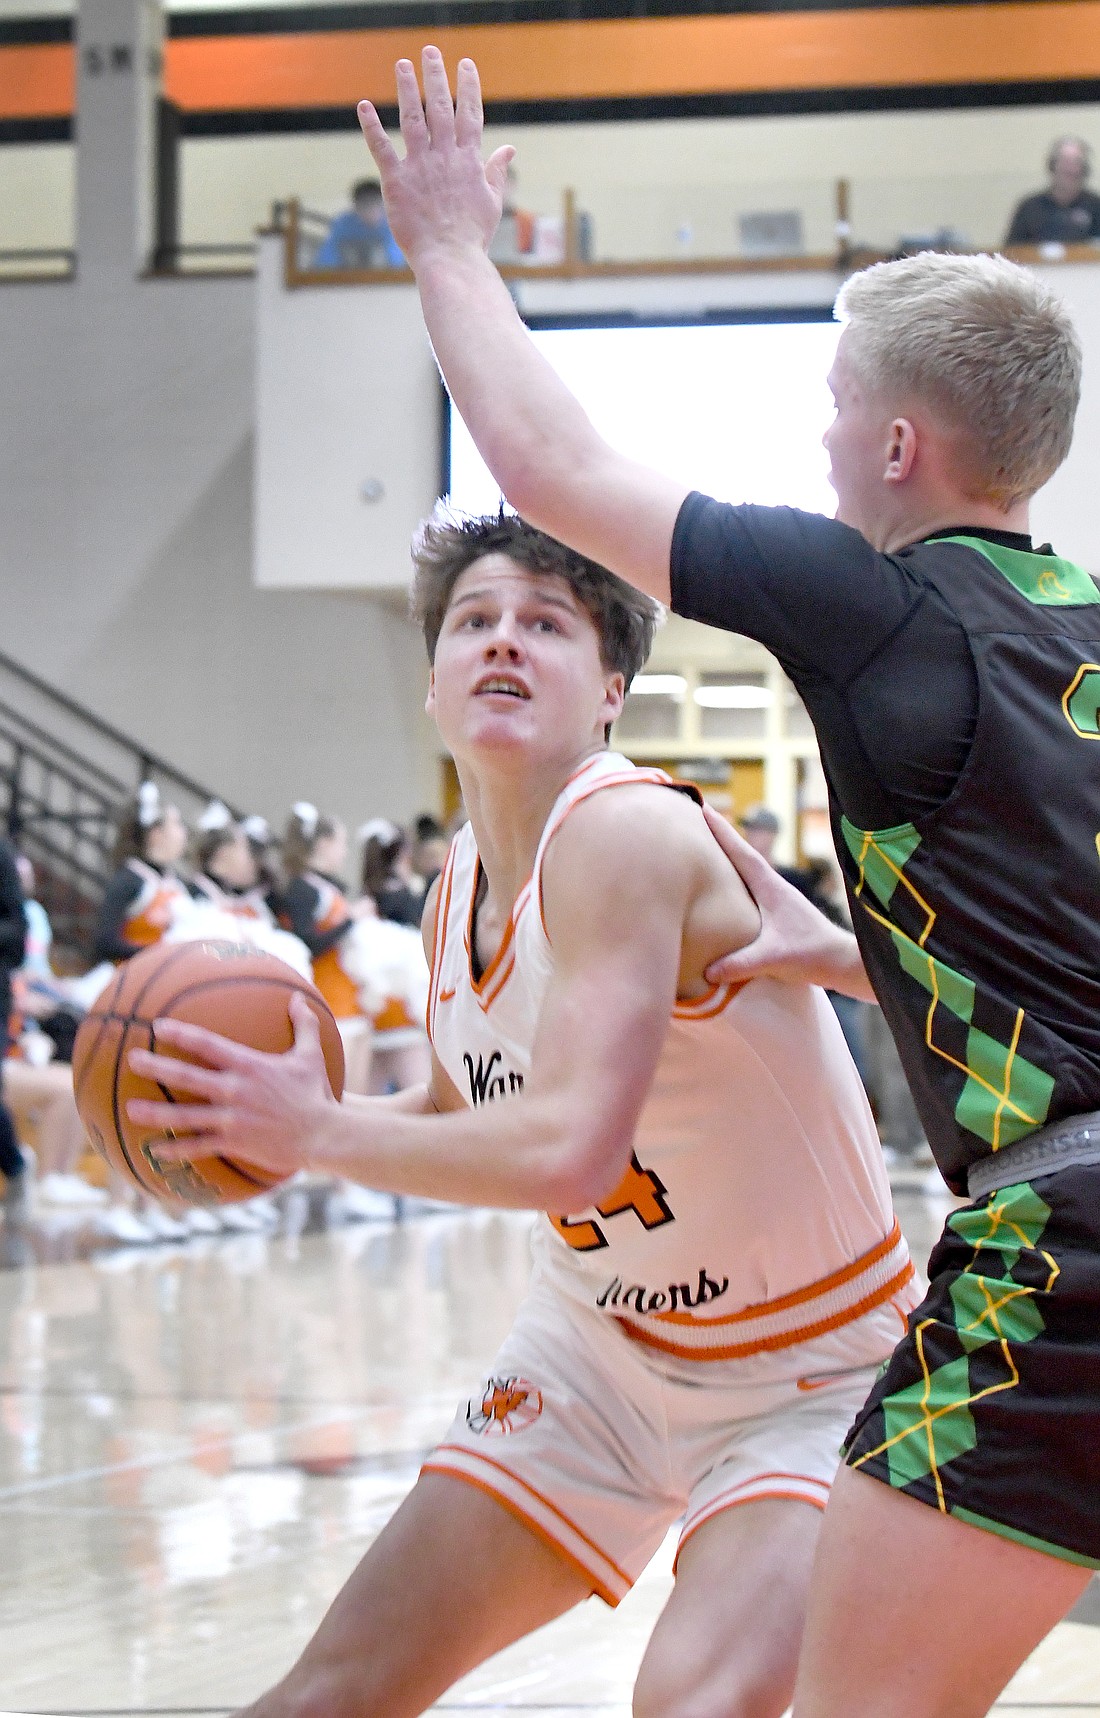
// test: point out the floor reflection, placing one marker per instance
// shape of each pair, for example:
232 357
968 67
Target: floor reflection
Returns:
198 1441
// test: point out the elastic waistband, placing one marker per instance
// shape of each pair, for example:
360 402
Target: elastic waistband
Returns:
806 1313
1063 1145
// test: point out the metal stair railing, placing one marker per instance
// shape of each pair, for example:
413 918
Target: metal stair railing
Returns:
65 775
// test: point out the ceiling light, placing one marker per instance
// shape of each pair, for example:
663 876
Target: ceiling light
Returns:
659 685
742 697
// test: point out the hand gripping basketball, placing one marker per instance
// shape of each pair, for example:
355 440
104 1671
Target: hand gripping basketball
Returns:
172 1125
267 1110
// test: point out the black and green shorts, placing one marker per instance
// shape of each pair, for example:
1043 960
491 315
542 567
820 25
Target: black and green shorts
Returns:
989 1408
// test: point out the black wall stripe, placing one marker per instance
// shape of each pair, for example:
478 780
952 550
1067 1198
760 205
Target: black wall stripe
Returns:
59 130
423 14
27 32
781 103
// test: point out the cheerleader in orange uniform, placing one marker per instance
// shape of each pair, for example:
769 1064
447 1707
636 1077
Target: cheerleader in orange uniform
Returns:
402 1056
226 870
137 907
313 905
136 911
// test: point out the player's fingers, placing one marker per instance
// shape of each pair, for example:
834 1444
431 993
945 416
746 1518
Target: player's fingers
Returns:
193 1149
307 1029
410 108
469 113
216 1051
735 968
439 111
496 168
753 869
385 155
179 1076
178 1121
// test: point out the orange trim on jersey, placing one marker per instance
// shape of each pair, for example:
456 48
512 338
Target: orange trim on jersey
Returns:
476 1455
771 1344
708 1007
488 987
797 1297
442 918
528 1521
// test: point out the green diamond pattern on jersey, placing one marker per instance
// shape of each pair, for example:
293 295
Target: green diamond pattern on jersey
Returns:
987 1408
882 855
1003 1096
930 1422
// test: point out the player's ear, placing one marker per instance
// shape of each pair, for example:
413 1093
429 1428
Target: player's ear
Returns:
901 451
614 697
429 702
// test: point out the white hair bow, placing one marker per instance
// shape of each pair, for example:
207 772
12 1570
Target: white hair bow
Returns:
379 829
148 804
216 816
308 816
258 829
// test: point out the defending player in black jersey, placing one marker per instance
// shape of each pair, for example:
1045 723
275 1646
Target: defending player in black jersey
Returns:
953 674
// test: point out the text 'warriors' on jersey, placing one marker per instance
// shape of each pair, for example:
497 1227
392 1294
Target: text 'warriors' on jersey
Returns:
755 1211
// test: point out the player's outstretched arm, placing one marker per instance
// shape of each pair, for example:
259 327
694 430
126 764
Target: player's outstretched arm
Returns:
443 204
796 942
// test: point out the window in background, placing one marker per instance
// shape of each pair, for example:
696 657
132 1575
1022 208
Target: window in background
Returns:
734 409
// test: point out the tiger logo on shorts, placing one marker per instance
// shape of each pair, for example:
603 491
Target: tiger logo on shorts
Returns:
505 1405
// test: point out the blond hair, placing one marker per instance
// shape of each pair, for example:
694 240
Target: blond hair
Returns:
986 346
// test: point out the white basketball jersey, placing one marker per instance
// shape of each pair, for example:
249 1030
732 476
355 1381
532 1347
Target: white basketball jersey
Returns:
756 1211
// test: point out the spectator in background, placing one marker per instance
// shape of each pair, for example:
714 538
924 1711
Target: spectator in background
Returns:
361 237
514 239
429 850
265 851
137 907
227 873
1065 213
388 877
313 904
43 997
760 827
135 913
13 936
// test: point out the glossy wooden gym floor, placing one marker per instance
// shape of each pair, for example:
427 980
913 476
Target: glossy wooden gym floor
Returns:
197 1443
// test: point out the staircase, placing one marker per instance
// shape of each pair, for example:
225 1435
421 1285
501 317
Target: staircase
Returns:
64 777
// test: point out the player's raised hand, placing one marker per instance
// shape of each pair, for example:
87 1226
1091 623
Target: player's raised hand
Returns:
441 196
267 1109
796 942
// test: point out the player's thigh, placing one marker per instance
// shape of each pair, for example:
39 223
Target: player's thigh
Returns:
914 1614
450 1580
726 1644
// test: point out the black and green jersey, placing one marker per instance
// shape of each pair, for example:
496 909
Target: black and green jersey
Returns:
955 689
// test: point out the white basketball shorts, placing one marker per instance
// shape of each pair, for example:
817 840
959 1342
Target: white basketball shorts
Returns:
599 1444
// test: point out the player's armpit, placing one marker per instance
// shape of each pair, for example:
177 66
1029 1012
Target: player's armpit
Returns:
443 1094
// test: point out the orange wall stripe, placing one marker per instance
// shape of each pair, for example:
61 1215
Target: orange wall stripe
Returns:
604 59
655 57
38 81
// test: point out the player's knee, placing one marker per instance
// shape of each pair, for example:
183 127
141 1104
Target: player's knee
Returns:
738 1690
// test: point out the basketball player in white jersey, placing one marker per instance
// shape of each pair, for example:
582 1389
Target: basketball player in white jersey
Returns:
720 1272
